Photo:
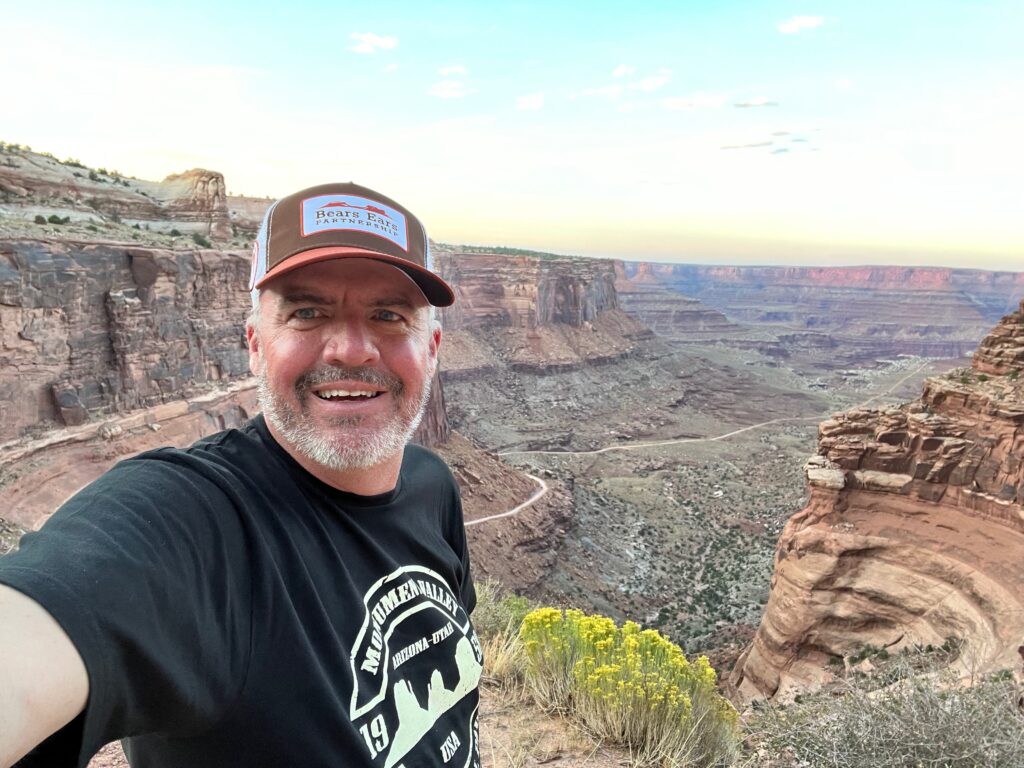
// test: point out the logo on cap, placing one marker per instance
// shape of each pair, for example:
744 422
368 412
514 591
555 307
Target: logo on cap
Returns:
358 214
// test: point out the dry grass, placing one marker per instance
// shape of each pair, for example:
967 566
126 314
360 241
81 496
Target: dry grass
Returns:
928 720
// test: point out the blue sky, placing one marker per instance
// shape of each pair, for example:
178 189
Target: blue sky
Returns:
734 132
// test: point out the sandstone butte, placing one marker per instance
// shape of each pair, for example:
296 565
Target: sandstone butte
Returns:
913 532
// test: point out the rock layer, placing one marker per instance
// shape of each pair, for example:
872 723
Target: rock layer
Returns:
860 313
193 202
912 534
540 314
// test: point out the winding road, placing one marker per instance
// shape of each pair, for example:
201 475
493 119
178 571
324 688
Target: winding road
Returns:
543 489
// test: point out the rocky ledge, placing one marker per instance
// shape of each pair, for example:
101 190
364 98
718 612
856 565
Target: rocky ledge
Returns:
912 533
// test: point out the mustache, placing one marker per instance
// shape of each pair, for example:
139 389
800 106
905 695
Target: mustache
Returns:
328 373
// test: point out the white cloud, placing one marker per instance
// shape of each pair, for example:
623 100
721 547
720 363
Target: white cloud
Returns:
652 83
390 68
622 70
530 102
698 100
368 42
844 84
799 23
450 71
760 101
450 89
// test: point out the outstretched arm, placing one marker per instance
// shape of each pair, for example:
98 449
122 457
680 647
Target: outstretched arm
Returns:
43 681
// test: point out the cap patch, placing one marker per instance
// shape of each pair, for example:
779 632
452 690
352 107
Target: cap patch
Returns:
360 214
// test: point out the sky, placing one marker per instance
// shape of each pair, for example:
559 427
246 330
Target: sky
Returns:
724 131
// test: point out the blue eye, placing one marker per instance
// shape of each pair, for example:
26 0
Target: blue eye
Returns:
306 313
388 315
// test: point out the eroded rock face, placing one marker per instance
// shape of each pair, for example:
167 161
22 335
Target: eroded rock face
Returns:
536 314
197 196
913 532
855 313
1002 351
667 312
193 202
525 291
87 329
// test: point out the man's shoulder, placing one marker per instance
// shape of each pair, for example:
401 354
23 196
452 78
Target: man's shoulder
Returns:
423 461
233 446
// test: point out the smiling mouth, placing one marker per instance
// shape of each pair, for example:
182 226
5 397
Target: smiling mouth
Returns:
346 395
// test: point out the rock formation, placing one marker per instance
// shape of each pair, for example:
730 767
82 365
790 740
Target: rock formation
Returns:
89 330
197 197
913 532
193 202
859 313
668 312
531 312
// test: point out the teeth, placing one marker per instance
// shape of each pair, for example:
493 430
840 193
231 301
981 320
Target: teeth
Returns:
329 393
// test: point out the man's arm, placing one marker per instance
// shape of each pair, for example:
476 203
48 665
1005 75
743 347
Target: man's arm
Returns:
43 681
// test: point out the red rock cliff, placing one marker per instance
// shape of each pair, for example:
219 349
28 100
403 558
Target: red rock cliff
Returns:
913 531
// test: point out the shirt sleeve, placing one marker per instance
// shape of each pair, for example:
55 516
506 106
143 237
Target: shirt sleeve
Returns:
146 571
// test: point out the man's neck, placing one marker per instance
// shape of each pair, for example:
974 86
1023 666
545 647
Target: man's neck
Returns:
362 481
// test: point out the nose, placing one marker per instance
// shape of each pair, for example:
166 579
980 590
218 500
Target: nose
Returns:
349 342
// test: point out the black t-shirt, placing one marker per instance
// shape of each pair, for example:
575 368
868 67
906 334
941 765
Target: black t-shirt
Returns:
233 610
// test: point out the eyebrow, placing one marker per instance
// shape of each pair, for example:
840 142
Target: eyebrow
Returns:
308 297
303 297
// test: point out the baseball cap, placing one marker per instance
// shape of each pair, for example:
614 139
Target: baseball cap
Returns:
345 220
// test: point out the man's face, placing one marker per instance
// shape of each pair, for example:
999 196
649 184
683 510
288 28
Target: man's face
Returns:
344 351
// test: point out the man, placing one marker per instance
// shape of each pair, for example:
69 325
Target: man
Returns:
292 593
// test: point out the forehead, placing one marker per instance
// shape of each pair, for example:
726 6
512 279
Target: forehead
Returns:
348 279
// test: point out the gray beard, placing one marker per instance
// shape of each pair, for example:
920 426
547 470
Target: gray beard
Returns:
345 451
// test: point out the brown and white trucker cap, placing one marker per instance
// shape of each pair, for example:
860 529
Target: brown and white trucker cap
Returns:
336 221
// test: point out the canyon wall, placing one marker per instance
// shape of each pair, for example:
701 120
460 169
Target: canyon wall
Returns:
89 329
860 313
912 534
530 312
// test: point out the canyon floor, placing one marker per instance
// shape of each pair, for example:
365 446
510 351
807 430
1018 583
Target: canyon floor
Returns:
678 535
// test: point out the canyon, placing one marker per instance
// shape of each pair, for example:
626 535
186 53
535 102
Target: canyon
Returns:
912 533
670 410
857 313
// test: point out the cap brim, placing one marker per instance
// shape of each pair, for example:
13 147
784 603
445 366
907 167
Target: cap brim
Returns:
436 290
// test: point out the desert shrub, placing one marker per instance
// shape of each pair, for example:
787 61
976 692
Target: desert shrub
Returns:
39 219
55 219
174 233
497 619
200 240
630 687
923 720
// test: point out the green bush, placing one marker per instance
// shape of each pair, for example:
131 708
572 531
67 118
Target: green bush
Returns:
201 241
40 219
497 619
630 687
921 720
55 219
174 233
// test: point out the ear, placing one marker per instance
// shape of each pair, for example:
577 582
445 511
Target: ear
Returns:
252 338
435 345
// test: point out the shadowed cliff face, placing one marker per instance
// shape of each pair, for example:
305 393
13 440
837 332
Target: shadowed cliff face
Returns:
912 534
96 329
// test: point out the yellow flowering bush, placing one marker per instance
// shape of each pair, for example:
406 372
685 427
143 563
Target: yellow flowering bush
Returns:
629 685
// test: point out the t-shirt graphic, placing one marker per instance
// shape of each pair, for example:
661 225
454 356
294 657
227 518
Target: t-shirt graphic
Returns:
414 661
